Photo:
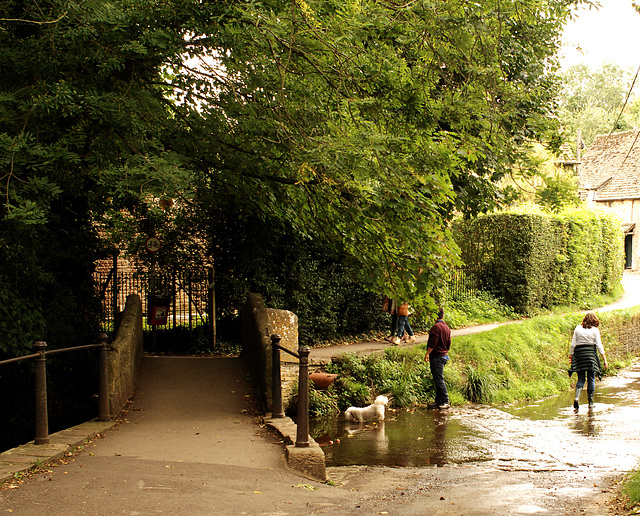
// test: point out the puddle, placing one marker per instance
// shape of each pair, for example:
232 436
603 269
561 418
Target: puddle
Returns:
406 439
543 435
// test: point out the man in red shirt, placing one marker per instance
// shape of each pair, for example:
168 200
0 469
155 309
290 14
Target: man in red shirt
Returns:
437 355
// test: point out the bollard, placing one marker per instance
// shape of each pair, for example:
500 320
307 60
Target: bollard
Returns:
103 386
302 436
276 381
42 417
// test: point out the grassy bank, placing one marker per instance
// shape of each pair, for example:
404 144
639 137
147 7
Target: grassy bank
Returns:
524 360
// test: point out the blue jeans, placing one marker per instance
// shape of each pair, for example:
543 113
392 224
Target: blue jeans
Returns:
403 323
436 365
589 376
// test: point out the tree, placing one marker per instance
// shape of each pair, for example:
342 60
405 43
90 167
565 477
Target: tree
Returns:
596 101
371 124
540 178
363 123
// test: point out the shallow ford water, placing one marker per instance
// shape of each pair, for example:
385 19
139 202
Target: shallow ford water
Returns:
542 435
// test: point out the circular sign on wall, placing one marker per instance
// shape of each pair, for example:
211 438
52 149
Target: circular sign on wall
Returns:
153 244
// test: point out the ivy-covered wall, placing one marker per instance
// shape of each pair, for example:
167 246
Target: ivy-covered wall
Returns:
532 260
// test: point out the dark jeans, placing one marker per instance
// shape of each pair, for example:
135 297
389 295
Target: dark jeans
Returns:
403 324
394 324
436 365
590 377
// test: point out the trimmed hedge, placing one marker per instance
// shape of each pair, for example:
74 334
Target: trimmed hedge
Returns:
531 261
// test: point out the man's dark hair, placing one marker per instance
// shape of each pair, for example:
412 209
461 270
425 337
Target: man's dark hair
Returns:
440 313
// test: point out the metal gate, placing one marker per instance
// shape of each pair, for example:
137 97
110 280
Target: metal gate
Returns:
187 293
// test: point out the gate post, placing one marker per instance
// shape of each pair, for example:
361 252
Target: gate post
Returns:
211 295
114 287
42 418
302 436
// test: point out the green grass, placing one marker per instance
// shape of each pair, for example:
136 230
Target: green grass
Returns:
525 360
631 491
481 308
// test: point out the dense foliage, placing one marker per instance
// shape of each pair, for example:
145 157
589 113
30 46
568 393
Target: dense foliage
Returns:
368 124
532 261
295 273
363 124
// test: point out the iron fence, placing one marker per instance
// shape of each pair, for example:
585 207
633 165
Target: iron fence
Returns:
41 406
186 295
462 283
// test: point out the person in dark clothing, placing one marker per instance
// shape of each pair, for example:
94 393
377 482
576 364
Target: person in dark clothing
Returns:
437 355
391 306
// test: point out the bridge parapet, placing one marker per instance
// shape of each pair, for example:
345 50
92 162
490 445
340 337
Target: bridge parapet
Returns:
126 354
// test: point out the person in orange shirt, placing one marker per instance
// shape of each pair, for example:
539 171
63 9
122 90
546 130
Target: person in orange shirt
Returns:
403 324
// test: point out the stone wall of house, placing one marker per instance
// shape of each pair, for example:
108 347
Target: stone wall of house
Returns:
125 356
628 211
626 333
258 325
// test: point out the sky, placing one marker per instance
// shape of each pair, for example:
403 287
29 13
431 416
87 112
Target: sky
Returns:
611 33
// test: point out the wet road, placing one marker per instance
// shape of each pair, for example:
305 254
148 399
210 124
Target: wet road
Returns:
546 434
534 458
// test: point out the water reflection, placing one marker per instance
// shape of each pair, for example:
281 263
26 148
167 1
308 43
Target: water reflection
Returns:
414 438
544 434
585 424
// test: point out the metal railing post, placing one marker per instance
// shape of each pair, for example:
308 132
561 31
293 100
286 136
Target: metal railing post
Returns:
42 417
276 380
103 386
302 436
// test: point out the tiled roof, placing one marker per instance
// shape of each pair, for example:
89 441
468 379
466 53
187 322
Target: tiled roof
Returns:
611 167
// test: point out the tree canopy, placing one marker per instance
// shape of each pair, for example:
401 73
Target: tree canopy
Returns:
367 124
597 101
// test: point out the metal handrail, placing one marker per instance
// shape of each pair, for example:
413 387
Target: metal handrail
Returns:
302 433
41 411
18 359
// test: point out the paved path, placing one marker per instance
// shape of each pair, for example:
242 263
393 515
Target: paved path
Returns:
318 356
189 445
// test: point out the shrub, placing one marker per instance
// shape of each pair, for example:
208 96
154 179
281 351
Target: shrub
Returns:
531 261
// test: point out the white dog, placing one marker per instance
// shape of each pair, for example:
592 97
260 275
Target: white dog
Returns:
375 410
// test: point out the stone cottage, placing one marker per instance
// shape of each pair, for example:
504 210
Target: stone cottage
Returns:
609 176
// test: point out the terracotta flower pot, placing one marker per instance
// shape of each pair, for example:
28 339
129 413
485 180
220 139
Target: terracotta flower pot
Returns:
322 380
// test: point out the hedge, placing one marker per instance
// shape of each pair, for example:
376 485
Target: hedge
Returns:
532 260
